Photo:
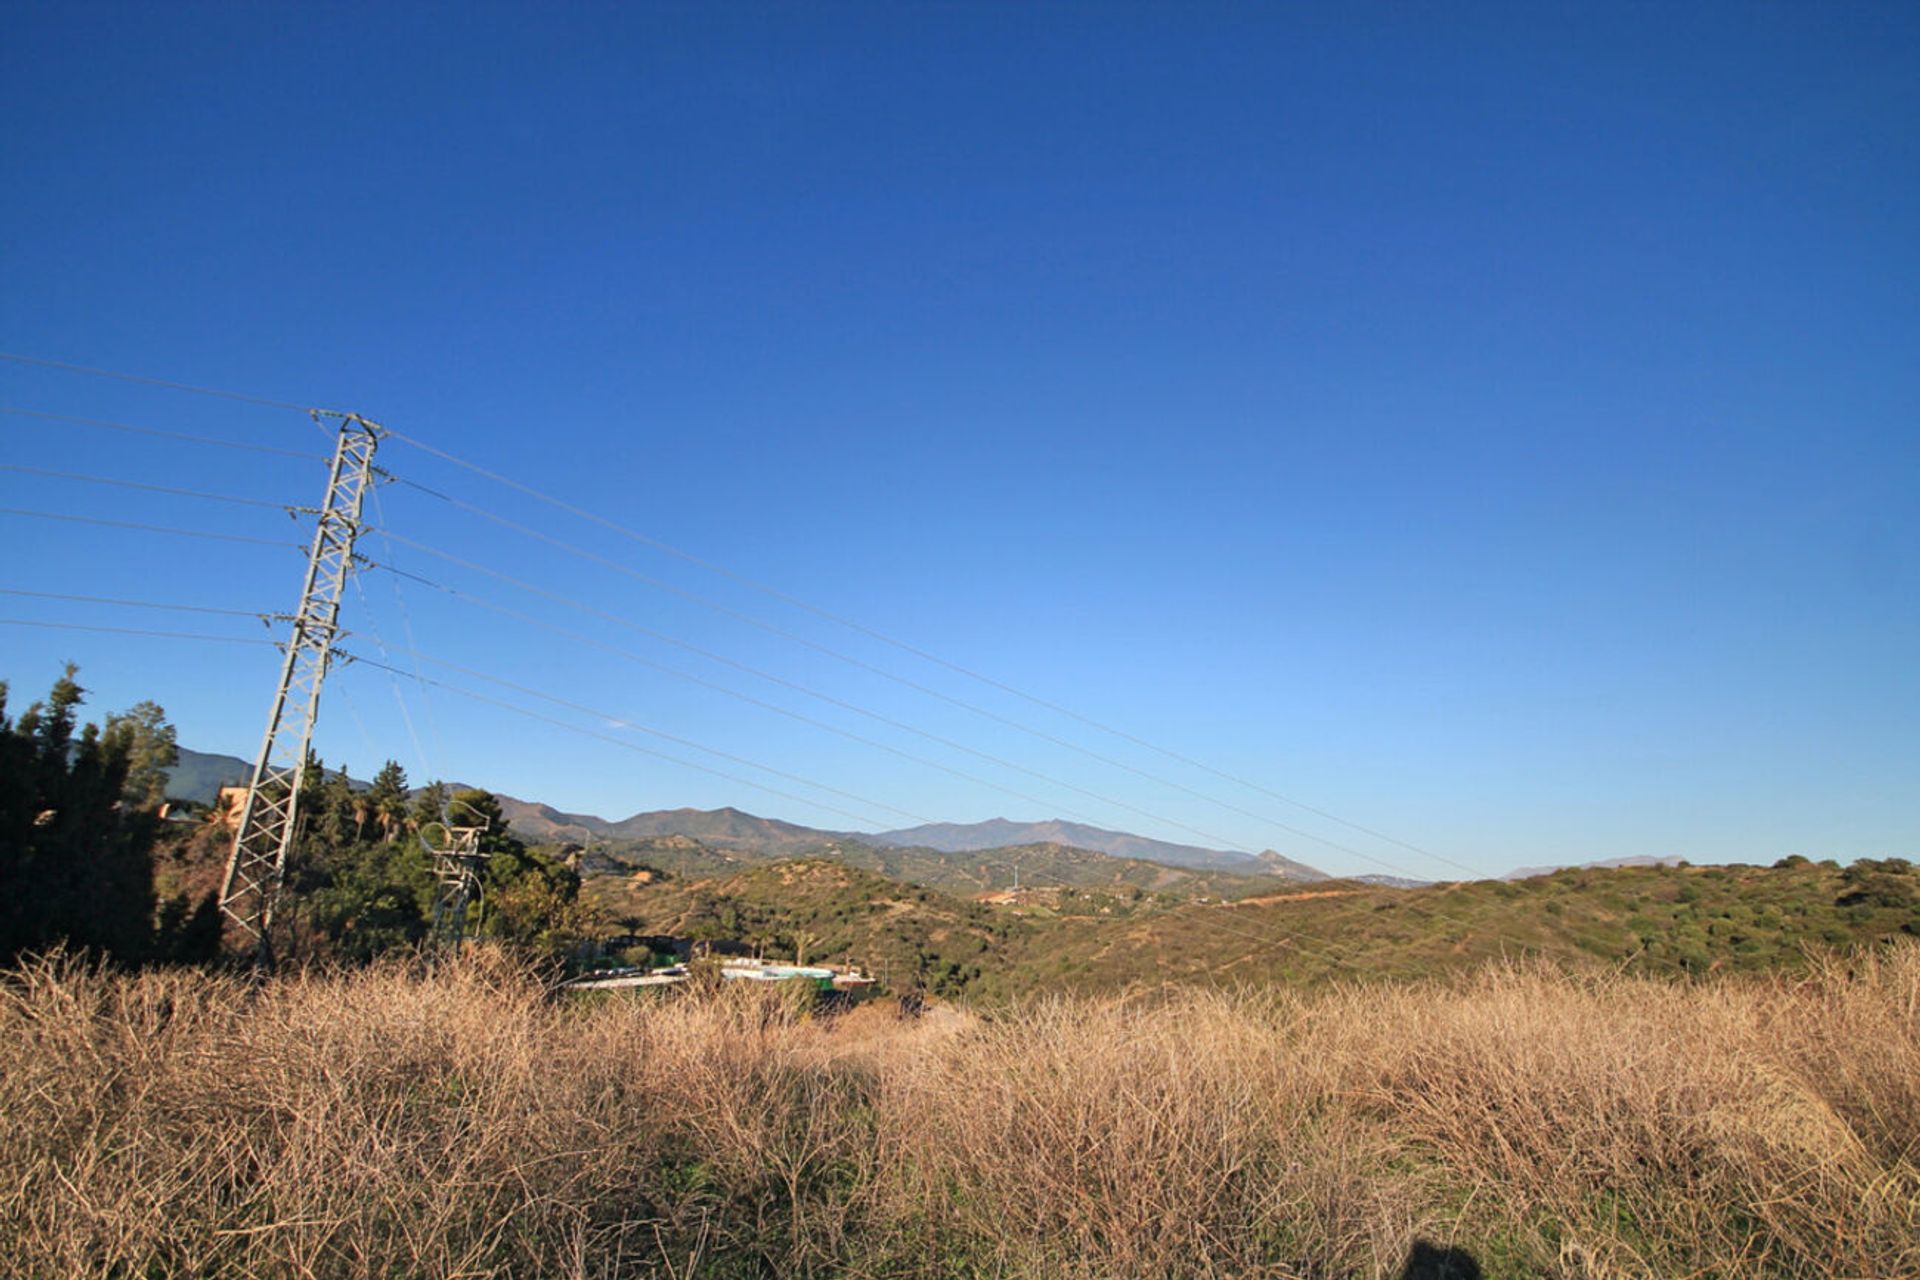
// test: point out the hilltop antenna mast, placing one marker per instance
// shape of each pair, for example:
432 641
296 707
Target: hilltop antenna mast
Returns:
265 832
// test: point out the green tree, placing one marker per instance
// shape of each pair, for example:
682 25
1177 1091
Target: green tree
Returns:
430 805
368 898
473 807
330 814
75 864
386 800
188 934
151 747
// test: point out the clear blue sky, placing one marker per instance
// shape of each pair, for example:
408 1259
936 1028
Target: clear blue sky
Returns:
1494 425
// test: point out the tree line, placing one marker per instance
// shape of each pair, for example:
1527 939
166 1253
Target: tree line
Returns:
88 860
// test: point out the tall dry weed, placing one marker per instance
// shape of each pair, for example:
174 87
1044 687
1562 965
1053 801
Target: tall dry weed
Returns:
458 1122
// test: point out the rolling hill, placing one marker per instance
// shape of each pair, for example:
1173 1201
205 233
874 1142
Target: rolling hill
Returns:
945 854
200 775
960 858
1528 873
1657 920
828 911
1000 833
720 828
967 874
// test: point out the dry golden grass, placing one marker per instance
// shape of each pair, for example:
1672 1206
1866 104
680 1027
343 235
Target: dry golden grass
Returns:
394 1122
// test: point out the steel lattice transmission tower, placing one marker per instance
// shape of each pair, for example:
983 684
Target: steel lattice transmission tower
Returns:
268 818
457 859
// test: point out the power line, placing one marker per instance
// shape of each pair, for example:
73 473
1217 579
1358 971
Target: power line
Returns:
132 631
809 607
149 528
532 620
625 723
571 602
621 742
835 729
1219 840
115 374
182 436
926 690
1290 940
394 672
902 645
716 686
359 725
134 604
434 852
406 627
150 488
406 715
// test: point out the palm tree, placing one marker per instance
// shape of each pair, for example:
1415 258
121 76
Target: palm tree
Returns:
222 811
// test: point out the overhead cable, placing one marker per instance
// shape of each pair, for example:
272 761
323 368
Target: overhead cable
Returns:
406 628
133 604
804 605
620 742
134 631
688 676
884 638
149 528
203 494
560 598
926 690
625 723
115 374
181 436
1219 840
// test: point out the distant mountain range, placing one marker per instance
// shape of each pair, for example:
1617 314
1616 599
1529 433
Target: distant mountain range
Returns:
722 828
200 775
995 833
731 828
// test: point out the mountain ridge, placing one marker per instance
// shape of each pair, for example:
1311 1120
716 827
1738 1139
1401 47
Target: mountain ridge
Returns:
995 833
200 775
730 827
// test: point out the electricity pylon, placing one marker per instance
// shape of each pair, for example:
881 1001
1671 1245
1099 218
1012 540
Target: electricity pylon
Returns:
457 860
265 832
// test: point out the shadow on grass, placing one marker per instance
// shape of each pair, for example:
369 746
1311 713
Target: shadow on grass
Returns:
1426 1261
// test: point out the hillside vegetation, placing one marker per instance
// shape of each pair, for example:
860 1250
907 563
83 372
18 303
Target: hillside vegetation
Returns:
459 1123
961 844
822 910
1662 920
962 873
1113 937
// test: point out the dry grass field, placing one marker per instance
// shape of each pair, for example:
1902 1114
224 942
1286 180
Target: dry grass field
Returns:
459 1123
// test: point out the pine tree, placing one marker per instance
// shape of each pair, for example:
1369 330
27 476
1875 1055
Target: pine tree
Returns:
430 805
386 800
151 747
75 863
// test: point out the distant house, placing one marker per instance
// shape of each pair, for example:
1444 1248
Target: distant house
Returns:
227 803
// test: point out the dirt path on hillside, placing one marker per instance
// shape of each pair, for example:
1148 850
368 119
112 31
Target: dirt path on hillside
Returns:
1266 899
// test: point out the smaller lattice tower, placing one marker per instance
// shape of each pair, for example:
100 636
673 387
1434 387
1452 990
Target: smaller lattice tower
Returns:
457 860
